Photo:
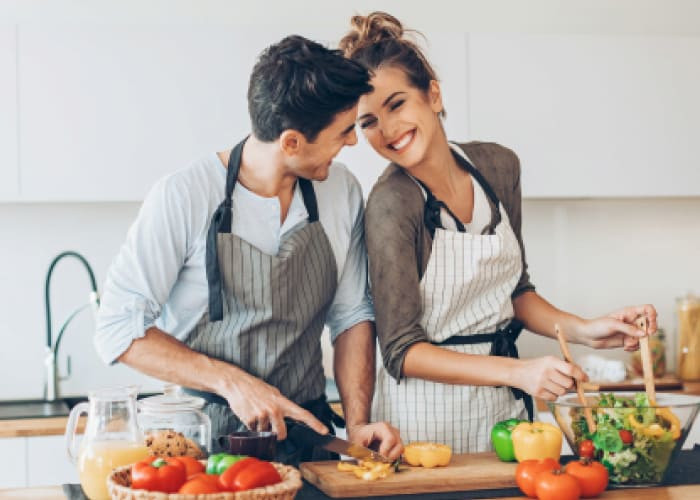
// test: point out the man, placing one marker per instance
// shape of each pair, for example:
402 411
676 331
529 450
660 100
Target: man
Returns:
234 265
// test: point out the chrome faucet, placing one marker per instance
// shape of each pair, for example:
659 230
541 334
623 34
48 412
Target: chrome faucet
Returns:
51 383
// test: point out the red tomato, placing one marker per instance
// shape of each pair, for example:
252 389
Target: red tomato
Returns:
592 476
586 449
227 478
197 485
192 465
557 485
528 470
158 474
256 476
626 436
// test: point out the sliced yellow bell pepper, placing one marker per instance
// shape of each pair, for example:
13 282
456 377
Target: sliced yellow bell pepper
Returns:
537 440
656 430
672 420
427 454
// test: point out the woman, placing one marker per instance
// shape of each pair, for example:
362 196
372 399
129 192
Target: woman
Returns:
447 265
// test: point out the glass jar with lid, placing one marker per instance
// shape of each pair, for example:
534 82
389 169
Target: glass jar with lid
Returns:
173 424
688 324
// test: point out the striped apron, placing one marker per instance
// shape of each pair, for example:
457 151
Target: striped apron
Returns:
267 312
467 308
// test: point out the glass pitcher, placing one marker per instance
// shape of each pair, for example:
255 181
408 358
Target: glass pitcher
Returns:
112 437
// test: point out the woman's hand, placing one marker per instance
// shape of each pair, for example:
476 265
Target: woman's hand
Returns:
546 378
617 329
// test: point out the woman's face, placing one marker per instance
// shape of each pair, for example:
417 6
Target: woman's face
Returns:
400 121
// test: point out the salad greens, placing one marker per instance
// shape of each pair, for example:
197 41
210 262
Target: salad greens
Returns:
643 458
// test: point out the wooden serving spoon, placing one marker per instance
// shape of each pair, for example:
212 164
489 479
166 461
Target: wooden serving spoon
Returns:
579 388
647 367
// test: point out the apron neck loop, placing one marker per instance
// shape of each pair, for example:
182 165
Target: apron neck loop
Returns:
307 192
221 223
431 213
496 214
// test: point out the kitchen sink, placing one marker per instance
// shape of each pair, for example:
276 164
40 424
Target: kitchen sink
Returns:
39 408
35 408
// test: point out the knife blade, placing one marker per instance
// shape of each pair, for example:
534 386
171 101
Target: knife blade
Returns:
301 434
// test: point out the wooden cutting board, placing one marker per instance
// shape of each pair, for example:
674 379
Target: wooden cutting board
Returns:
475 471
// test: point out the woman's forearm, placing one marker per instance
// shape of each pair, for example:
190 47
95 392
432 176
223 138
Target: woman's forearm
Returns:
437 364
539 316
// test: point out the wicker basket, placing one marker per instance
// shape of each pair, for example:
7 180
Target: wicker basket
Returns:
119 482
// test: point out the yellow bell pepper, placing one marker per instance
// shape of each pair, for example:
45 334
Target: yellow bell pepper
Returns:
672 420
536 441
655 430
427 454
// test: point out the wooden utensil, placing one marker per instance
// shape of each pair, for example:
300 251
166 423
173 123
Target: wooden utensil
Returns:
647 367
579 388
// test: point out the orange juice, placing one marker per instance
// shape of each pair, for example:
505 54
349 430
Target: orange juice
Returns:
99 458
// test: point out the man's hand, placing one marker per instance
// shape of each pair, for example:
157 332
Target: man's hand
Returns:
390 444
617 329
262 407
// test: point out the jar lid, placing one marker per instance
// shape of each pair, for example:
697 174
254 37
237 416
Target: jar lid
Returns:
171 401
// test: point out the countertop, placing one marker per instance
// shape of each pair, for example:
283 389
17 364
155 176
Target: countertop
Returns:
54 426
670 493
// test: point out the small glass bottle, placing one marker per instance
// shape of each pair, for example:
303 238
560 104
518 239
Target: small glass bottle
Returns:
174 424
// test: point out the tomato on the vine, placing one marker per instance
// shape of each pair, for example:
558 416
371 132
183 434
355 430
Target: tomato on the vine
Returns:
557 485
592 476
527 471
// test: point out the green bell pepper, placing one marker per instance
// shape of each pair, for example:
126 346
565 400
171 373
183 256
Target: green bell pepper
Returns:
500 437
219 462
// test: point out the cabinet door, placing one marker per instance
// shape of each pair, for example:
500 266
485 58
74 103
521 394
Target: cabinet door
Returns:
106 110
591 115
9 176
13 462
47 462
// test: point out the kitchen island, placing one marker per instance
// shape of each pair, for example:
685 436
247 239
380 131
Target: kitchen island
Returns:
307 493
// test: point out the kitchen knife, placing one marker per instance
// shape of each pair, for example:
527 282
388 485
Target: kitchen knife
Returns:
301 434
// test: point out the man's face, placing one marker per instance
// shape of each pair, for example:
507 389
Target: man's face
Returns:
315 158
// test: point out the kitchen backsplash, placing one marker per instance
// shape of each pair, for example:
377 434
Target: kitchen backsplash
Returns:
586 256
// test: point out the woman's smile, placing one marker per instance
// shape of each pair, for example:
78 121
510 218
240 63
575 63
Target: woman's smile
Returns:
401 144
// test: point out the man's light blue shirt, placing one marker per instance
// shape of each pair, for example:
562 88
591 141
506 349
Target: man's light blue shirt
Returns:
158 277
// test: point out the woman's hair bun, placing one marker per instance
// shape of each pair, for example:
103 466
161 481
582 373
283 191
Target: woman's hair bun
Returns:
370 29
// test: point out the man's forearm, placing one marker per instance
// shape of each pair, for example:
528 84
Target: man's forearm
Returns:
162 356
353 365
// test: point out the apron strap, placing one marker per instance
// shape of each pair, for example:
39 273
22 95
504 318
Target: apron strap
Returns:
221 223
502 344
431 212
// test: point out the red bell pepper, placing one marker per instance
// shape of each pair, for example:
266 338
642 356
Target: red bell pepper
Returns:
226 479
158 474
247 474
256 476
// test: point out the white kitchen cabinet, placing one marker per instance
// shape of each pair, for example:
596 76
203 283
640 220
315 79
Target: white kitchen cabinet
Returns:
591 115
48 463
108 109
9 167
13 462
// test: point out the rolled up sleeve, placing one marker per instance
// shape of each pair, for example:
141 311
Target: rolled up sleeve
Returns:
515 215
142 275
352 303
392 230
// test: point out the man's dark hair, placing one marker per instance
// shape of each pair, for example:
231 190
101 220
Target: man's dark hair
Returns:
299 84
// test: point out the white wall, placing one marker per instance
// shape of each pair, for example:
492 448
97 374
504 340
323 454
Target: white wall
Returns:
588 256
